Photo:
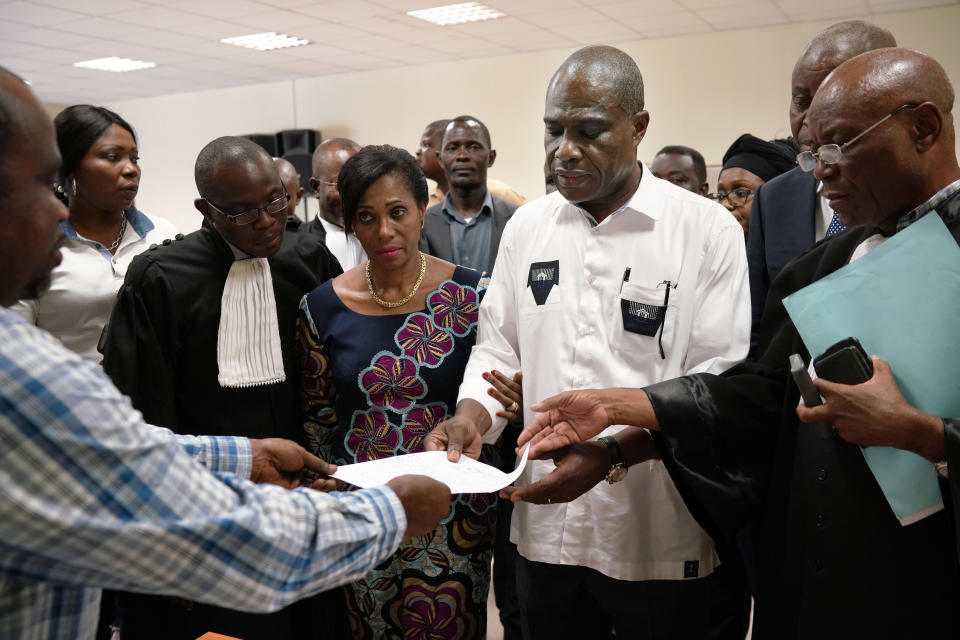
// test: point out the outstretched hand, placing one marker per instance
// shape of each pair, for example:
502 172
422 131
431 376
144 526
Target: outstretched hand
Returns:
564 420
287 464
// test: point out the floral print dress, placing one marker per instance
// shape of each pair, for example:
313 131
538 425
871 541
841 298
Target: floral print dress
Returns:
373 387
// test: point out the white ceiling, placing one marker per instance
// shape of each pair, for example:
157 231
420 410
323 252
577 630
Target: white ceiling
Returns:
40 39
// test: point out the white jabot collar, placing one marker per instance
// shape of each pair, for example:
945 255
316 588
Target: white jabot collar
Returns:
248 341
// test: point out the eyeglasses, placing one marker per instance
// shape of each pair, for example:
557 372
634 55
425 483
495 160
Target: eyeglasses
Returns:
833 153
249 216
737 197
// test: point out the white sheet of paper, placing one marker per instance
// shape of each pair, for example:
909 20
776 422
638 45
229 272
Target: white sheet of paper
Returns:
465 476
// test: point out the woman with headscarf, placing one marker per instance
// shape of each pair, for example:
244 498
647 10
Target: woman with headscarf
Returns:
748 163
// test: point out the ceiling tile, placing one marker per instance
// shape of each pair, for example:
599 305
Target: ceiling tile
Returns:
668 24
423 36
95 7
343 10
48 37
459 45
37 14
486 27
563 17
527 7
697 5
535 38
402 6
220 9
742 16
900 5
597 32
288 22
376 24
821 9
372 44
289 4
330 33
633 9
13 48
101 27
155 17
159 38
210 30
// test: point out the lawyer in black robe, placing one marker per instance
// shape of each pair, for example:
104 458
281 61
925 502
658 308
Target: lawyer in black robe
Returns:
161 349
832 559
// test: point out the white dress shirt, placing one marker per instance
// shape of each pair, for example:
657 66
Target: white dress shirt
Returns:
83 287
637 529
344 246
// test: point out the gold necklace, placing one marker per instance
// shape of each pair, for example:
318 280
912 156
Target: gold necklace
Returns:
407 298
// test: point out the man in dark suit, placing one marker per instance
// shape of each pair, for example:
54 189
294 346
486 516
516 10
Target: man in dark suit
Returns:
788 216
465 228
328 158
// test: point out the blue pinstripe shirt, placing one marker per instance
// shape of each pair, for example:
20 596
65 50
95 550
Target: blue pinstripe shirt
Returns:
91 498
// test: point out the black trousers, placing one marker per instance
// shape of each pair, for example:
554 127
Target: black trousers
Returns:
560 601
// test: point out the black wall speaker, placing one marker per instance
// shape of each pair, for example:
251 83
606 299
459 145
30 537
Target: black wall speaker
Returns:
297 140
266 140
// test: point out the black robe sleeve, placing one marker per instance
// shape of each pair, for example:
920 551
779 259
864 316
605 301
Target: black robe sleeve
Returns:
719 433
140 343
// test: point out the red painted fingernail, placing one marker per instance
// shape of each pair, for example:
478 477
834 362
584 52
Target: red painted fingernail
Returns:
500 414
490 391
496 372
485 375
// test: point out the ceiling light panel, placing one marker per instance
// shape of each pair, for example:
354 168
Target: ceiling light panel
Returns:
115 64
457 13
266 41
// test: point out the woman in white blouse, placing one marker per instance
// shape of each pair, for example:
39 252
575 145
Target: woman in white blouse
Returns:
99 178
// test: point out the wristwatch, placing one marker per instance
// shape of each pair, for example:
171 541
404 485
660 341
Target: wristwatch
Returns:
618 469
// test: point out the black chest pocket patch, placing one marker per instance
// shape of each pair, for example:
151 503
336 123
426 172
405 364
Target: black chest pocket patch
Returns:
641 318
541 278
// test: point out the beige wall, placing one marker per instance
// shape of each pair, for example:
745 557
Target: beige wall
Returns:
702 91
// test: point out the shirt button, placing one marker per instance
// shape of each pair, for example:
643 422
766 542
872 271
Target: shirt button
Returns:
821 474
820 520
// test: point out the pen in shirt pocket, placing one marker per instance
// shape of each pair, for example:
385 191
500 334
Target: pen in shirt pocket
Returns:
626 278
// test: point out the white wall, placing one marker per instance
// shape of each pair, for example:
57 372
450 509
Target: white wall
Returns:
702 91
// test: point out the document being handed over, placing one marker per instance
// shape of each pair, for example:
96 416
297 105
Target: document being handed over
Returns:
464 476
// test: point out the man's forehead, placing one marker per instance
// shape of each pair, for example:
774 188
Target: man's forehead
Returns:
463 129
332 160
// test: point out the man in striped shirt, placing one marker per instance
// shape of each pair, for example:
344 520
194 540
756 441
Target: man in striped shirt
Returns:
92 497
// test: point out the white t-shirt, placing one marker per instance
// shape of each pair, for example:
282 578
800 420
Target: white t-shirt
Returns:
637 529
83 287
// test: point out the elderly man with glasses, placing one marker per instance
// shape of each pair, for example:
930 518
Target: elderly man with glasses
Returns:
202 340
832 558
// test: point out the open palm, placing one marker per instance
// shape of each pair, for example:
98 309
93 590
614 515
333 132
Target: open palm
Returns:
565 419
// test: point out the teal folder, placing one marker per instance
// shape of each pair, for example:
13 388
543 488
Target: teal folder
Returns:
902 301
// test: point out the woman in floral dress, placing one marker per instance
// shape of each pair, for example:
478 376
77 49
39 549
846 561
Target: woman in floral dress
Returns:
383 348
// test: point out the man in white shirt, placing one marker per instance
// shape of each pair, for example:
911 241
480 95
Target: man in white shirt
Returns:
328 158
621 277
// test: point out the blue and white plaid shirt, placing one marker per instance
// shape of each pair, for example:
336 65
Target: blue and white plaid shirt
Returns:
91 498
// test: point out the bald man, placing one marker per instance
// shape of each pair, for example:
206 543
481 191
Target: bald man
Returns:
789 213
291 181
328 158
201 339
832 558
617 276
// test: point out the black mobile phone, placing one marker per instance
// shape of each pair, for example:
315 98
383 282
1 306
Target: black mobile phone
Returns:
809 393
845 363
